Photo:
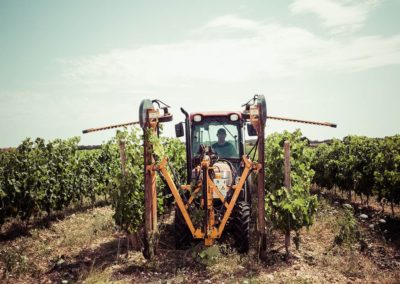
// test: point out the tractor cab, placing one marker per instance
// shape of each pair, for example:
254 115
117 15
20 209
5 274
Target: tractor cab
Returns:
219 131
218 135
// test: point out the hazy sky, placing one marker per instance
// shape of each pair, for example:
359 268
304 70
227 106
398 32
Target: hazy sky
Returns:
70 65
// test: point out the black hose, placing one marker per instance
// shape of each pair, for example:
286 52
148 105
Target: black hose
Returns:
252 149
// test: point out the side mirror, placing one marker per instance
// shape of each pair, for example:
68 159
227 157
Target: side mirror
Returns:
251 131
179 130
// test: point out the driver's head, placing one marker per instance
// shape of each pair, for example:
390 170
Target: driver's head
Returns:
221 134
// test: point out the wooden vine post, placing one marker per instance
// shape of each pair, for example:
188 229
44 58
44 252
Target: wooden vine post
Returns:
148 117
288 186
122 156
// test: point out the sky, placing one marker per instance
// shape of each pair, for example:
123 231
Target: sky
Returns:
70 65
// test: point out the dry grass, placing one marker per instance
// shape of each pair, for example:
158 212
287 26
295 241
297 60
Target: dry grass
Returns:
96 276
83 248
48 249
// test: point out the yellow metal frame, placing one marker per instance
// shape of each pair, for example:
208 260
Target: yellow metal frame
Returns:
211 232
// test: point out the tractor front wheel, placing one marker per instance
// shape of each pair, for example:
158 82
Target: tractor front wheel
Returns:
241 226
183 236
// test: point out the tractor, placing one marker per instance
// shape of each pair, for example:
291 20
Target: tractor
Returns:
218 192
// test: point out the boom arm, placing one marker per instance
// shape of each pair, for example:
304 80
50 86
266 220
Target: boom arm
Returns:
109 127
303 121
165 116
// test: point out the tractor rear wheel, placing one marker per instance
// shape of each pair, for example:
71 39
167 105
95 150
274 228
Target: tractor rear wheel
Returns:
240 228
183 236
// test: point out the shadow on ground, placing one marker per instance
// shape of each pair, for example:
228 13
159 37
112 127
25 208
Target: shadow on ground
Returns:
14 230
74 268
387 230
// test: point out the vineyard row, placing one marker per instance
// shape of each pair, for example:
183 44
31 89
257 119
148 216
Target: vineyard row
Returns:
39 177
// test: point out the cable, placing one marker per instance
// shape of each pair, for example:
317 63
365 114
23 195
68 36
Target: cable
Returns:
254 147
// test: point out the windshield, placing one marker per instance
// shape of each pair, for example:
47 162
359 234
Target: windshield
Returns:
222 137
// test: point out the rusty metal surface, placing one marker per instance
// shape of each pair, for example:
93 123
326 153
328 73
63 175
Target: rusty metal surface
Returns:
303 121
261 183
109 127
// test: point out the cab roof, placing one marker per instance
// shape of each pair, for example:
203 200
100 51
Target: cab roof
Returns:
216 114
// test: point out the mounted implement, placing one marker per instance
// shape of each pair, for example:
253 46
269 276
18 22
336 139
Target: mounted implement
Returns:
219 190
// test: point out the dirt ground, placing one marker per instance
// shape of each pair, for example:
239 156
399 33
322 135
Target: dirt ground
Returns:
84 247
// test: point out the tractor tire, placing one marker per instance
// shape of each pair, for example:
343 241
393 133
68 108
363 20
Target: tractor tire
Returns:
240 228
183 236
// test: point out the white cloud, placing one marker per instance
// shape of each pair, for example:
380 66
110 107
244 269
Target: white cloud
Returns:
269 51
338 15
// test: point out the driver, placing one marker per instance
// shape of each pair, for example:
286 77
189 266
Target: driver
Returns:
222 147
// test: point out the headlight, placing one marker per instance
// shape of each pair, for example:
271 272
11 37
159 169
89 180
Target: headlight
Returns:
197 118
234 117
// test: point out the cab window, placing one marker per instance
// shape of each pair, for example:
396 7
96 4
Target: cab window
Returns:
222 137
